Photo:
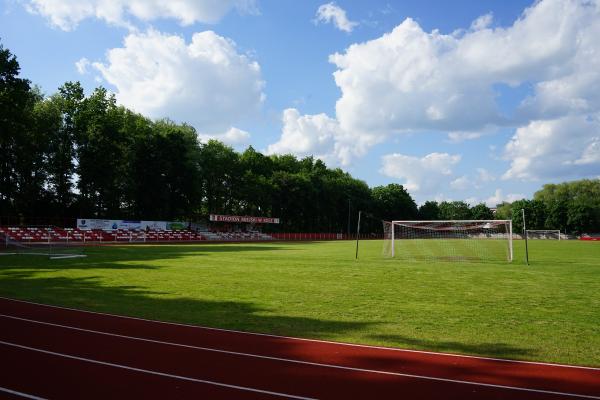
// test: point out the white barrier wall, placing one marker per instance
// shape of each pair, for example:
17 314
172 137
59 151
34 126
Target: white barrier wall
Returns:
109 224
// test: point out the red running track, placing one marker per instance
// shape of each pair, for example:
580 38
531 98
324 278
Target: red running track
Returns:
51 352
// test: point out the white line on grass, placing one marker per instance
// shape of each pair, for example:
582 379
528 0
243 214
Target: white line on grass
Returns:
21 394
316 364
305 339
146 371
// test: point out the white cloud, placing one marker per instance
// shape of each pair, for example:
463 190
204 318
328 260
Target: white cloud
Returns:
562 148
332 13
409 80
477 180
482 22
318 135
233 137
423 175
67 14
305 135
484 176
472 201
412 80
591 154
206 83
498 198
457 137
461 183
82 65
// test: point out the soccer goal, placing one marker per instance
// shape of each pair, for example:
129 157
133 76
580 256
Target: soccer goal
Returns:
459 240
51 250
551 234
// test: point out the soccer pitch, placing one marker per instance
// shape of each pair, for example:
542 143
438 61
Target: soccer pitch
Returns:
548 311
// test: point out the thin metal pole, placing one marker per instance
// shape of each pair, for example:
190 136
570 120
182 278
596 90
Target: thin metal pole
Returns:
348 217
393 240
510 243
357 235
525 235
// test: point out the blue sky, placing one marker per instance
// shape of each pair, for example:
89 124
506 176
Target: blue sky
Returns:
465 100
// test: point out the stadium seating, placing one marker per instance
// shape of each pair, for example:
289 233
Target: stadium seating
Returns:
75 235
54 234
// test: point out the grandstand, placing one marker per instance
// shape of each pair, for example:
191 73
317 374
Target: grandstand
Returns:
53 234
218 228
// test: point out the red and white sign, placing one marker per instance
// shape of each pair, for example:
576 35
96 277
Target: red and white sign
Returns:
244 219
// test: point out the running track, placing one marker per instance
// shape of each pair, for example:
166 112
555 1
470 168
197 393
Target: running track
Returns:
56 353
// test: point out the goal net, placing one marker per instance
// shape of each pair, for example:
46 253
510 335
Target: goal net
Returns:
9 246
552 234
461 240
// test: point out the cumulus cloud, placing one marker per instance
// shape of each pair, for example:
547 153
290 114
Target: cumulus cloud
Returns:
233 136
318 135
67 14
206 82
461 183
484 176
82 65
561 148
332 13
422 175
482 22
477 180
410 80
305 135
498 198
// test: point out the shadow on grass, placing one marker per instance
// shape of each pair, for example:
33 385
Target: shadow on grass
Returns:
116 257
89 294
501 350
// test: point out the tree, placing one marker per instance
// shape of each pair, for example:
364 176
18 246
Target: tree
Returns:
557 215
16 108
393 202
569 204
481 211
429 211
103 149
581 217
219 167
454 210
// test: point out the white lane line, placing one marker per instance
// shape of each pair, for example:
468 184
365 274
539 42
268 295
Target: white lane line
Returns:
305 339
316 364
21 394
147 371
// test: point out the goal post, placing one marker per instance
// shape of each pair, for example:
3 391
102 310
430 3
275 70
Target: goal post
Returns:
550 234
451 240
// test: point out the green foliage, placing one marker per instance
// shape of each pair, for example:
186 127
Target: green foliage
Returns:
393 202
547 311
572 207
21 151
72 155
430 210
481 211
452 210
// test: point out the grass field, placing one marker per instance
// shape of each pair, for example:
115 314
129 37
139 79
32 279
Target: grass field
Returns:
548 311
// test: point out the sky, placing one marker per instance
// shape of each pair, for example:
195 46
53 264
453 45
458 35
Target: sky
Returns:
482 101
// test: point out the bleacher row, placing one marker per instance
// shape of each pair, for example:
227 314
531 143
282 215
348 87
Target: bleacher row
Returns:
236 236
65 235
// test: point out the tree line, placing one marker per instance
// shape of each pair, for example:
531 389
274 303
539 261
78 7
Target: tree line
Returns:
573 207
70 155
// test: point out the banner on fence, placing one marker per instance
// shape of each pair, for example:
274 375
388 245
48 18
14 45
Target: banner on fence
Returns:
243 219
111 224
